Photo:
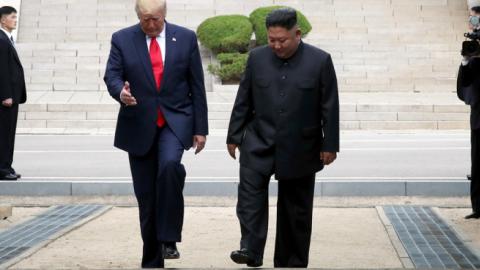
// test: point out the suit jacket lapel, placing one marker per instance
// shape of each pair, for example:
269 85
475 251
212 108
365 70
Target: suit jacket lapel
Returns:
5 37
140 44
170 47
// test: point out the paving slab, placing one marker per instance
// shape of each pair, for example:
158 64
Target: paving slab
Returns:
5 211
342 238
347 233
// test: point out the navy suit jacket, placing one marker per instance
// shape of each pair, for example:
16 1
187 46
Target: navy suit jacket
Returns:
181 98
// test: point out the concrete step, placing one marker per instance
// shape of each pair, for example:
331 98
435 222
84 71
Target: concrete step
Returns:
98 111
377 46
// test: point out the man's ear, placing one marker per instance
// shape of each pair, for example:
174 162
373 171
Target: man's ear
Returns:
298 32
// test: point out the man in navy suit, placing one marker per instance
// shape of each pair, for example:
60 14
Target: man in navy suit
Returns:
12 92
155 72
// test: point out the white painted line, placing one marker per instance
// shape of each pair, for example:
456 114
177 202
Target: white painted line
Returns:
231 178
225 150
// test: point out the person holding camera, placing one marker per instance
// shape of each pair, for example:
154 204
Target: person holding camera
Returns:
468 90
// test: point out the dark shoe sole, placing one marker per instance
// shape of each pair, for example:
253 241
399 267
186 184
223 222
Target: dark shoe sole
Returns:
242 259
239 258
255 264
171 257
472 216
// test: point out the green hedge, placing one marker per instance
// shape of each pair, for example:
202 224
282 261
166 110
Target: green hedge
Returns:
232 66
258 18
225 34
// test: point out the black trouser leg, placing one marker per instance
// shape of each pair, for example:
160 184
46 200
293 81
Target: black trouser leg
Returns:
475 182
252 210
8 126
143 173
294 222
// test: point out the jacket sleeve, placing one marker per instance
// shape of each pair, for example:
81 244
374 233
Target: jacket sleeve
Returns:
466 78
6 90
197 88
242 108
330 107
114 75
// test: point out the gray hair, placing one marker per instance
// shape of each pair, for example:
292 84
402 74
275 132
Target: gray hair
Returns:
150 6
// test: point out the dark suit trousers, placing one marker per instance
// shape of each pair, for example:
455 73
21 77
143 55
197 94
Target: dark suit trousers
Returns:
8 126
158 181
475 182
294 217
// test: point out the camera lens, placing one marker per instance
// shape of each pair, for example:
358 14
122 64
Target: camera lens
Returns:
474 21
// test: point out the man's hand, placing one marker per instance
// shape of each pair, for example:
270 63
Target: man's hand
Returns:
199 143
126 97
328 157
7 102
231 150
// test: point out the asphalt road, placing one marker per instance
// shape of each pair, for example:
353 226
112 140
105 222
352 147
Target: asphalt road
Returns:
363 156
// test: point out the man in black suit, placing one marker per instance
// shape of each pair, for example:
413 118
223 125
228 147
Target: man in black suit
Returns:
468 90
285 121
12 91
155 73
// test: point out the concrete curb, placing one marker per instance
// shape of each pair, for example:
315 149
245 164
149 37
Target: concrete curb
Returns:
323 188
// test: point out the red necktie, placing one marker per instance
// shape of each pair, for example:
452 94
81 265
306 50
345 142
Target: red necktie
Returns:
157 66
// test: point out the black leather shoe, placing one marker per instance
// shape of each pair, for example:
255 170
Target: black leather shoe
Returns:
473 215
242 256
9 177
170 251
469 176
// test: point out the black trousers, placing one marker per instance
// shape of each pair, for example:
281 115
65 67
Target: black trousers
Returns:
8 126
475 182
158 181
294 217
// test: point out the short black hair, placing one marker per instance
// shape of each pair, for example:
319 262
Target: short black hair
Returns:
7 10
283 17
476 9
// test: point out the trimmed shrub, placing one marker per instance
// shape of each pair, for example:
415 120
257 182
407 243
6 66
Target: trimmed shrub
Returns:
231 68
225 34
259 16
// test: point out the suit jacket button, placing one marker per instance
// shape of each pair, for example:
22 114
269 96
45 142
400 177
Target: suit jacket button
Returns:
284 77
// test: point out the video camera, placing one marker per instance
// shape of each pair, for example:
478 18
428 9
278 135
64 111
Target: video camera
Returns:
471 47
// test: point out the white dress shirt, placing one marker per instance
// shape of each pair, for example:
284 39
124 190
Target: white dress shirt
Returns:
9 35
161 42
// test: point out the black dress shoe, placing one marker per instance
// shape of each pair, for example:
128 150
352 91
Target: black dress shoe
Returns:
170 251
242 256
469 176
475 215
9 177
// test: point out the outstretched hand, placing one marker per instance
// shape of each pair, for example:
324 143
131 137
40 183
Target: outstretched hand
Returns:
126 96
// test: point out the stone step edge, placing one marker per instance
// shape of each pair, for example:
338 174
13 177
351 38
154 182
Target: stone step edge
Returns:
323 188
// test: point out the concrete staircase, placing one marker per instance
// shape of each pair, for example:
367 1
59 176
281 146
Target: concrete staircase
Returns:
396 60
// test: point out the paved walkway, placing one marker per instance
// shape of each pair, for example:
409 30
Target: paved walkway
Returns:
347 233
370 163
